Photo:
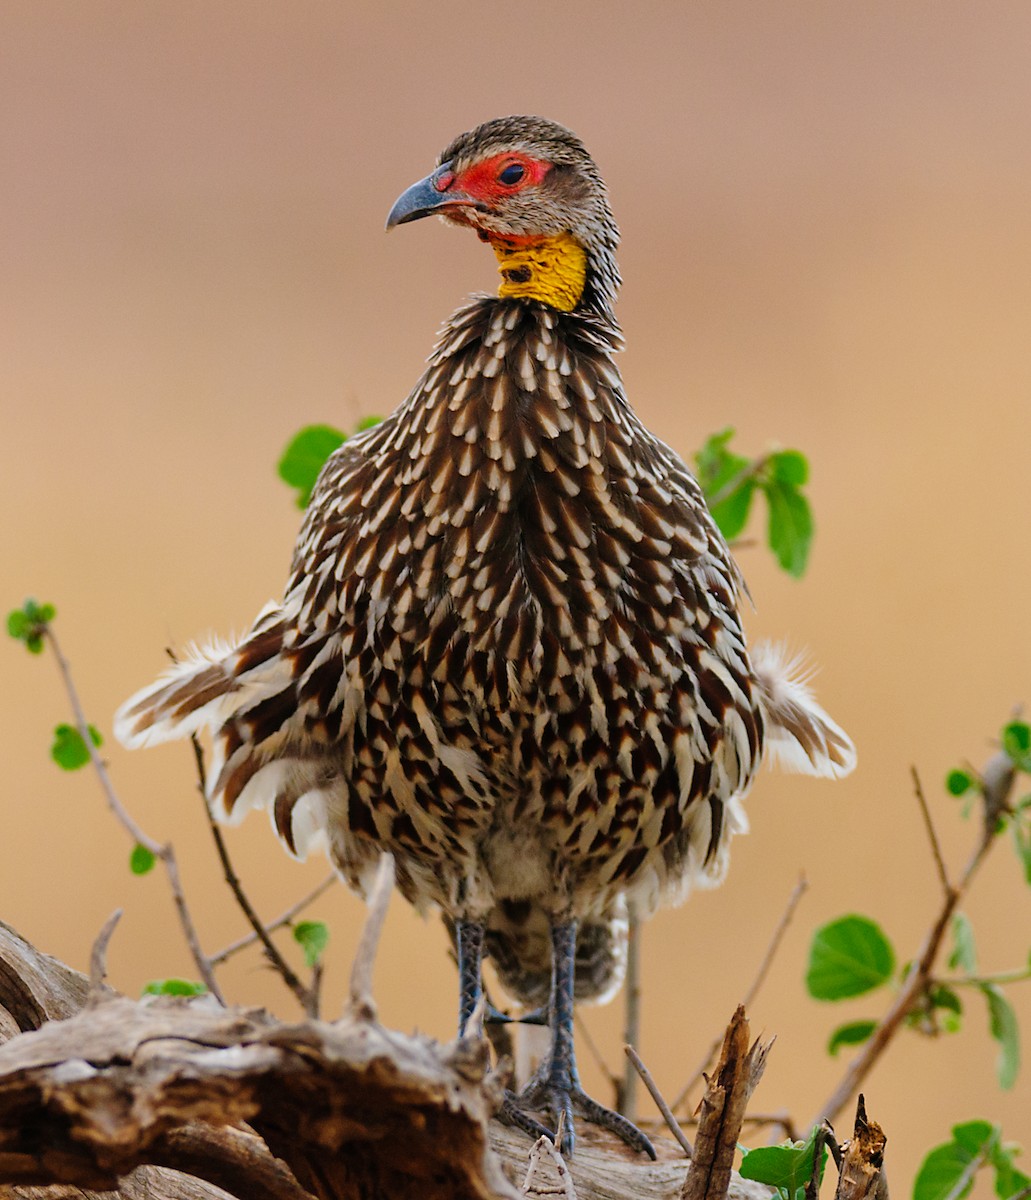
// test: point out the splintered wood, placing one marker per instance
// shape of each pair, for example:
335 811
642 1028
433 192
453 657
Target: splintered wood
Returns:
862 1174
722 1112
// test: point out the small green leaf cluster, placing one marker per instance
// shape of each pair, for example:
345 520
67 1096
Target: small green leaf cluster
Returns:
949 1169
173 987
28 624
788 1167
69 749
730 482
312 937
962 783
305 456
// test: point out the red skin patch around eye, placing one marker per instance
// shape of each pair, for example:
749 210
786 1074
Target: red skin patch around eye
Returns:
480 181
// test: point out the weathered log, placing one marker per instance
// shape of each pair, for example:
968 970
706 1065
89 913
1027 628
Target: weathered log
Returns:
119 1091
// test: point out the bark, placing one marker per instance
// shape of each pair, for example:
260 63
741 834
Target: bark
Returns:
177 1099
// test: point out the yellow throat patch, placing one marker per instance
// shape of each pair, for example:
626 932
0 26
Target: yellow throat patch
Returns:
552 270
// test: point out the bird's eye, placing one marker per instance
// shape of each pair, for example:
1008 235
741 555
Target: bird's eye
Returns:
511 174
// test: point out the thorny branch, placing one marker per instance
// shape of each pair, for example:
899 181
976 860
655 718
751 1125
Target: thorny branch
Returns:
162 851
996 783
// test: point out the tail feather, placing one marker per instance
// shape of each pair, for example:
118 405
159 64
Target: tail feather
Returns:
204 689
800 736
245 694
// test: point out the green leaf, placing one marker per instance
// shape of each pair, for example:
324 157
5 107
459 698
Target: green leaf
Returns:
28 624
731 514
367 423
1009 1179
717 464
789 466
174 987
1002 1024
788 1167
141 860
848 957
17 623
958 783
942 1170
946 1007
708 459
790 526
313 937
963 956
974 1136
69 750
852 1034
305 457
1016 741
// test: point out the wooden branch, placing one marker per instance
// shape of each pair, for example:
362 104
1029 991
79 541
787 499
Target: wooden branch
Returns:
723 1110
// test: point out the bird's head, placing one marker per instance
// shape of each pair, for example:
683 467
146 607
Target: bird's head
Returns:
527 186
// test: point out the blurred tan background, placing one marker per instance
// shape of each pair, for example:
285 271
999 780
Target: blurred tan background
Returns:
827 243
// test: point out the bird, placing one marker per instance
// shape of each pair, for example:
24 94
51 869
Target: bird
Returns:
510 649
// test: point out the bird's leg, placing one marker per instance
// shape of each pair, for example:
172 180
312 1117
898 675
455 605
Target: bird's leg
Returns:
555 1088
469 939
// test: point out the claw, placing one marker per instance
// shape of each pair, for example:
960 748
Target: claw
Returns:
562 1104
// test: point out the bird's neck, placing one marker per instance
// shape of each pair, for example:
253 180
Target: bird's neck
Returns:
550 269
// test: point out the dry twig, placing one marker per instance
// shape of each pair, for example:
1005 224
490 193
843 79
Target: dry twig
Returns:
360 1000
627 1087
285 918
932 836
98 955
542 1146
660 1103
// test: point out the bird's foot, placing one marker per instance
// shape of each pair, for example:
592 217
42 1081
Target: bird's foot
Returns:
564 1099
